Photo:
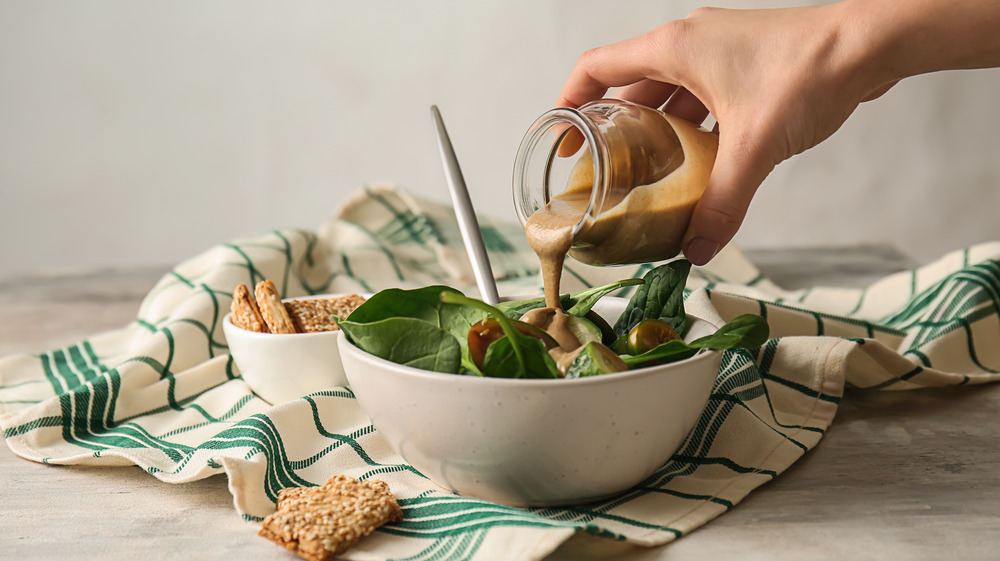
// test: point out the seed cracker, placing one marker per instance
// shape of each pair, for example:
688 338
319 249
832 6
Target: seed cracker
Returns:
315 315
320 523
246 314
272 309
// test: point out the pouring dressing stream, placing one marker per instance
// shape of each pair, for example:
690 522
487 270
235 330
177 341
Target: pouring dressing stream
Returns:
628 197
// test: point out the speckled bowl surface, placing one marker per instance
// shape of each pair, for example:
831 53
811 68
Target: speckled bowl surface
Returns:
535 442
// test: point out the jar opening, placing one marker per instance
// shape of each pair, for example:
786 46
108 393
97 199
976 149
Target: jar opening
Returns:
562 150
626 193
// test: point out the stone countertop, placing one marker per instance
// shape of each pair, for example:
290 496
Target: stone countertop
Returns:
899 475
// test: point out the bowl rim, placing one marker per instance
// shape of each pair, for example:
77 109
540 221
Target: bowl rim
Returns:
703 355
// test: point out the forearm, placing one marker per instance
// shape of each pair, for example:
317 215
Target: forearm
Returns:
902 38
780 81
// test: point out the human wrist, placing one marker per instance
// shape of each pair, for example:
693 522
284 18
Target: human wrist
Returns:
902 38
869 51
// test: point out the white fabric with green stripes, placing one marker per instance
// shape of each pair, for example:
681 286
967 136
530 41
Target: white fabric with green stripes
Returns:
164 394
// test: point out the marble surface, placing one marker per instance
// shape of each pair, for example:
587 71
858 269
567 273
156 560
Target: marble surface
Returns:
899 475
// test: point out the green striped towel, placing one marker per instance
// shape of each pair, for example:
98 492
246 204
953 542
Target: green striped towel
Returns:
164 394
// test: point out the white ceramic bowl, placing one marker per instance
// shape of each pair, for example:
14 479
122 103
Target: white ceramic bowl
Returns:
535 442
281 367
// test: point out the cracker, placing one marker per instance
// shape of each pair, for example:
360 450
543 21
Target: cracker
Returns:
246 314
320 523
315 315
272 309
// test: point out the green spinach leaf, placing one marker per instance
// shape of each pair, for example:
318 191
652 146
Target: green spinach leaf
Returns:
577 304
517 308
407 341
421 303
424 304
470 369
745 331
518 355
582 302
661 297
505 360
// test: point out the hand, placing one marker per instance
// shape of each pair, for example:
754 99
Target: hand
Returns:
777 82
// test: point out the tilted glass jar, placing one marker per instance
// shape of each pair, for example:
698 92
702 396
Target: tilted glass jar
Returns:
634 183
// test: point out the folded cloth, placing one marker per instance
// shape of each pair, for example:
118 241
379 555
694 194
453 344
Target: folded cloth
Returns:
164 394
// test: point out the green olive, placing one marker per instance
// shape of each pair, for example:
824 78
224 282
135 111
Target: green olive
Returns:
647 335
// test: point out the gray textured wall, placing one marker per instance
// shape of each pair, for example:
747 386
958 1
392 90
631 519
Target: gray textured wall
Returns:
139 132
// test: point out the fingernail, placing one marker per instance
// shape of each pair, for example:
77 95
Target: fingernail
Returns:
700 251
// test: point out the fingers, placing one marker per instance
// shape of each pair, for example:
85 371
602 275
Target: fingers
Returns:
570 143
685 105
619 64
597 71
879 91
647 92
675 100
736 175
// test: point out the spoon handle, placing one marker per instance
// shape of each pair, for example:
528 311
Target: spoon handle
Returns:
467 222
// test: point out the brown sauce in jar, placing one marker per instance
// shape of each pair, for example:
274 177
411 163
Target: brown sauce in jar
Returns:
641 222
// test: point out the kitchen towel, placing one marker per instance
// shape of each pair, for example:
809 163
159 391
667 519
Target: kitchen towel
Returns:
164 394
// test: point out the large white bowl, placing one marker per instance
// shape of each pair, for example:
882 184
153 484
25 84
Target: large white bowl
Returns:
282 367
535 442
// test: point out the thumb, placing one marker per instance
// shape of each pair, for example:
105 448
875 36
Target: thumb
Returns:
739 169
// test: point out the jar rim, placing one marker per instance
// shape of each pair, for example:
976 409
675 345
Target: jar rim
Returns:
600 157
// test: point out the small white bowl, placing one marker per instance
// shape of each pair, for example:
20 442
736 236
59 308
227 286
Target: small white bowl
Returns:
535 442
280 367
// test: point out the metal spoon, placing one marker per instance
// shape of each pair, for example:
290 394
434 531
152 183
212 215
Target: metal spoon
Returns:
467 222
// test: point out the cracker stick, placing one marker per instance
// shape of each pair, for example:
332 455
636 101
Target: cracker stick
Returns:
272 309
246 315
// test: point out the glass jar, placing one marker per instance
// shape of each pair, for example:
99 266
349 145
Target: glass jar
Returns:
632 173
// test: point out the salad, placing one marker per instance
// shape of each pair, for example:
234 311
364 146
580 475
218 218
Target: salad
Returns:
440 329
